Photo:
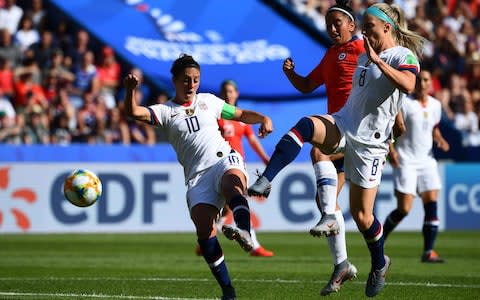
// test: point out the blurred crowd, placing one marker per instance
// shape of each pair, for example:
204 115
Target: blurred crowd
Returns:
452 54
58 86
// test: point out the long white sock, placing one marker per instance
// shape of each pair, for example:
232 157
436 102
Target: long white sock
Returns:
337 243
326 177
256 244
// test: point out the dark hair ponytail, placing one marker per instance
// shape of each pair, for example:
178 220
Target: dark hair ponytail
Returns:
343 6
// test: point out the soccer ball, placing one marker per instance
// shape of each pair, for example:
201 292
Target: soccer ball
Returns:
82 188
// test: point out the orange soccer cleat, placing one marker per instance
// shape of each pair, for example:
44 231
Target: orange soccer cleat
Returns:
260 251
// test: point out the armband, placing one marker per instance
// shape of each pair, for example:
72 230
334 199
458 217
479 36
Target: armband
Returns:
228 111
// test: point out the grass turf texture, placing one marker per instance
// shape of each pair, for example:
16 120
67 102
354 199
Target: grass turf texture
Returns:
164 266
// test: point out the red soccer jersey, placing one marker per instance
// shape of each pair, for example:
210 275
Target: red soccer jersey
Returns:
335 70
233 131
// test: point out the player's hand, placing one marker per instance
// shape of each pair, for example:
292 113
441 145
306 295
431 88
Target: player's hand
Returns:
265 128
288 64
130 82
372 55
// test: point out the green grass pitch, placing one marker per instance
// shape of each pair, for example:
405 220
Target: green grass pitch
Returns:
164 266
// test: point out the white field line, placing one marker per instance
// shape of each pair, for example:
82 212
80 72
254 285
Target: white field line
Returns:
99 296
422 284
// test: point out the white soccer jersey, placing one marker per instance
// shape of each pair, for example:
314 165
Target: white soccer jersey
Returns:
369 113
193 132
415 145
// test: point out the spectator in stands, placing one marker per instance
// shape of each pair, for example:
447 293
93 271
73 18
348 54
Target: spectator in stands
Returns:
117 127
26 34
81 46
10 16
108 74
65 77
43 49
38 15
61 106
60 133
27 92
9 50
10 131
37 129
466 121
86 118
6 79
86 80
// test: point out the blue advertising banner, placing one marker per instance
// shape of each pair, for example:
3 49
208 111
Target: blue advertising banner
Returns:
462 194
244 40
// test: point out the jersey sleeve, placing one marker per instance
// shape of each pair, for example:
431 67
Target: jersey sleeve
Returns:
408 62
316 74
159 113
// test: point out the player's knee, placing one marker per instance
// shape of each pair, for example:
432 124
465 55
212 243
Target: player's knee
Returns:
305 128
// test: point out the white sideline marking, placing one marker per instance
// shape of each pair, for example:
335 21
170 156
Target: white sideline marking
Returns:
101 296
422 284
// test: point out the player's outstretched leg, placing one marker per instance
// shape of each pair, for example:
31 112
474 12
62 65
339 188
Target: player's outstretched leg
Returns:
285 152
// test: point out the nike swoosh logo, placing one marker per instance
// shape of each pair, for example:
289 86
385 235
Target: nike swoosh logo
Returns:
330 225
174 115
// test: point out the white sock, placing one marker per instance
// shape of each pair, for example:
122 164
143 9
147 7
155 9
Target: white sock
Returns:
337 243
256 244
326 178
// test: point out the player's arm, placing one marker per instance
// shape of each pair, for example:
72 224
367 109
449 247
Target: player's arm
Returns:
402 79
132 109
302 84
230 112
440 140
399 126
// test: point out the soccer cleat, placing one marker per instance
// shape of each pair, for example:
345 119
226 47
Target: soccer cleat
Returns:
229 293
242 237
260 188
376 279
327 226
343 271
432 257
260 251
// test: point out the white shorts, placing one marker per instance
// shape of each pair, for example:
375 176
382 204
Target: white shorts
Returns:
413 179
364 163
205 187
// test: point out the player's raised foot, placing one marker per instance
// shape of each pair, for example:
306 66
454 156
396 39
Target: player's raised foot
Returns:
228 293
260 251
342 272
432 257
242 237
327 226
261 187
376 279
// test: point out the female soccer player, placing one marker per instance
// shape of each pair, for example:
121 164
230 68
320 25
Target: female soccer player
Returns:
415 168
214 173
335 70
384 75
